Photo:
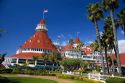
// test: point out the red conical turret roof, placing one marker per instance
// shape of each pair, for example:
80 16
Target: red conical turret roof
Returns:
77 40
42 21
39 40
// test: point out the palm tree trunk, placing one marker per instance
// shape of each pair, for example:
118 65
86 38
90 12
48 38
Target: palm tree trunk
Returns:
112 62
100 48
106 58
114 50
116 42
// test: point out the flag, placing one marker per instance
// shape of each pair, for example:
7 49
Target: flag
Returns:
78 33
45 11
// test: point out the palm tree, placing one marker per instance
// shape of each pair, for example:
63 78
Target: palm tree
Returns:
2 57
95 46
121 18
104 42
95 14
108 30
111 5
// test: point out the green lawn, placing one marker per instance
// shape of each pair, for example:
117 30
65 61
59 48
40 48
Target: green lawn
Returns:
25 80
78 81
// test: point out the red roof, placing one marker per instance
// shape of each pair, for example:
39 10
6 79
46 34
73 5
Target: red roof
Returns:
42 21
77 40
87 49
26 55
39 40
122 58
69 47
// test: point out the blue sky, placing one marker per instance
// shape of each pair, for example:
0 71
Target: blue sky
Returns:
65 18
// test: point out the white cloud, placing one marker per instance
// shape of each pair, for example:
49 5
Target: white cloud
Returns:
121 45
101 34
56 43
64 43
122 32
88 42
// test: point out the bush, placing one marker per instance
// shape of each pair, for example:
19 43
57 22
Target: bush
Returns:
82 78
115 80
33 72
3 70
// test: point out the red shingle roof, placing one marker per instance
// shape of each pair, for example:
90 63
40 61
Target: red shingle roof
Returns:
69 47
42 21
39 40
77 40
87 49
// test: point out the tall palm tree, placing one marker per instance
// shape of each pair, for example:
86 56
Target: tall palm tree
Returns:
121 18
104 43
95 14
110 37
111 5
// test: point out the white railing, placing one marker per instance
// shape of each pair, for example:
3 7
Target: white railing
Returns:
100 77
68 73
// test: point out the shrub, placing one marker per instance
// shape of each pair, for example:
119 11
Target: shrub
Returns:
3 70
33 72
82 78
115 80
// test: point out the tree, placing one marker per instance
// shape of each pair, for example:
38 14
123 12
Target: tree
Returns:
108 31
1 31
79 46
71 64
104 43
35 58
95 46
95 14
111 5
71 41
2 57
121 18
56 56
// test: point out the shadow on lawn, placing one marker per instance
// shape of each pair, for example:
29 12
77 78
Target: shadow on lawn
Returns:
6 80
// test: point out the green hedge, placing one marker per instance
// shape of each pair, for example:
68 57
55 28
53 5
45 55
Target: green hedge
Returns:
82 78
34 72
115 80
3 70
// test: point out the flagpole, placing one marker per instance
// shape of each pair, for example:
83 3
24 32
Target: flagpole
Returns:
44 11
43 14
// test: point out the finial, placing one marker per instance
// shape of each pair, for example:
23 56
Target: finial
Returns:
44 11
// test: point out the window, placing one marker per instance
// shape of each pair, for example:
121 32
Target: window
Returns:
40 62
30 61
49 63
22 61
13 60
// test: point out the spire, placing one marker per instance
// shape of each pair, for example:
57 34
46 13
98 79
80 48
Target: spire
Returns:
77 40
42 25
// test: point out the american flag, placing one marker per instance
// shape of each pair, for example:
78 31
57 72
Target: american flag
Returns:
45 10
78 33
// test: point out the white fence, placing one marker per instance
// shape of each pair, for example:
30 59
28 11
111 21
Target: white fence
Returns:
100 77
94 76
